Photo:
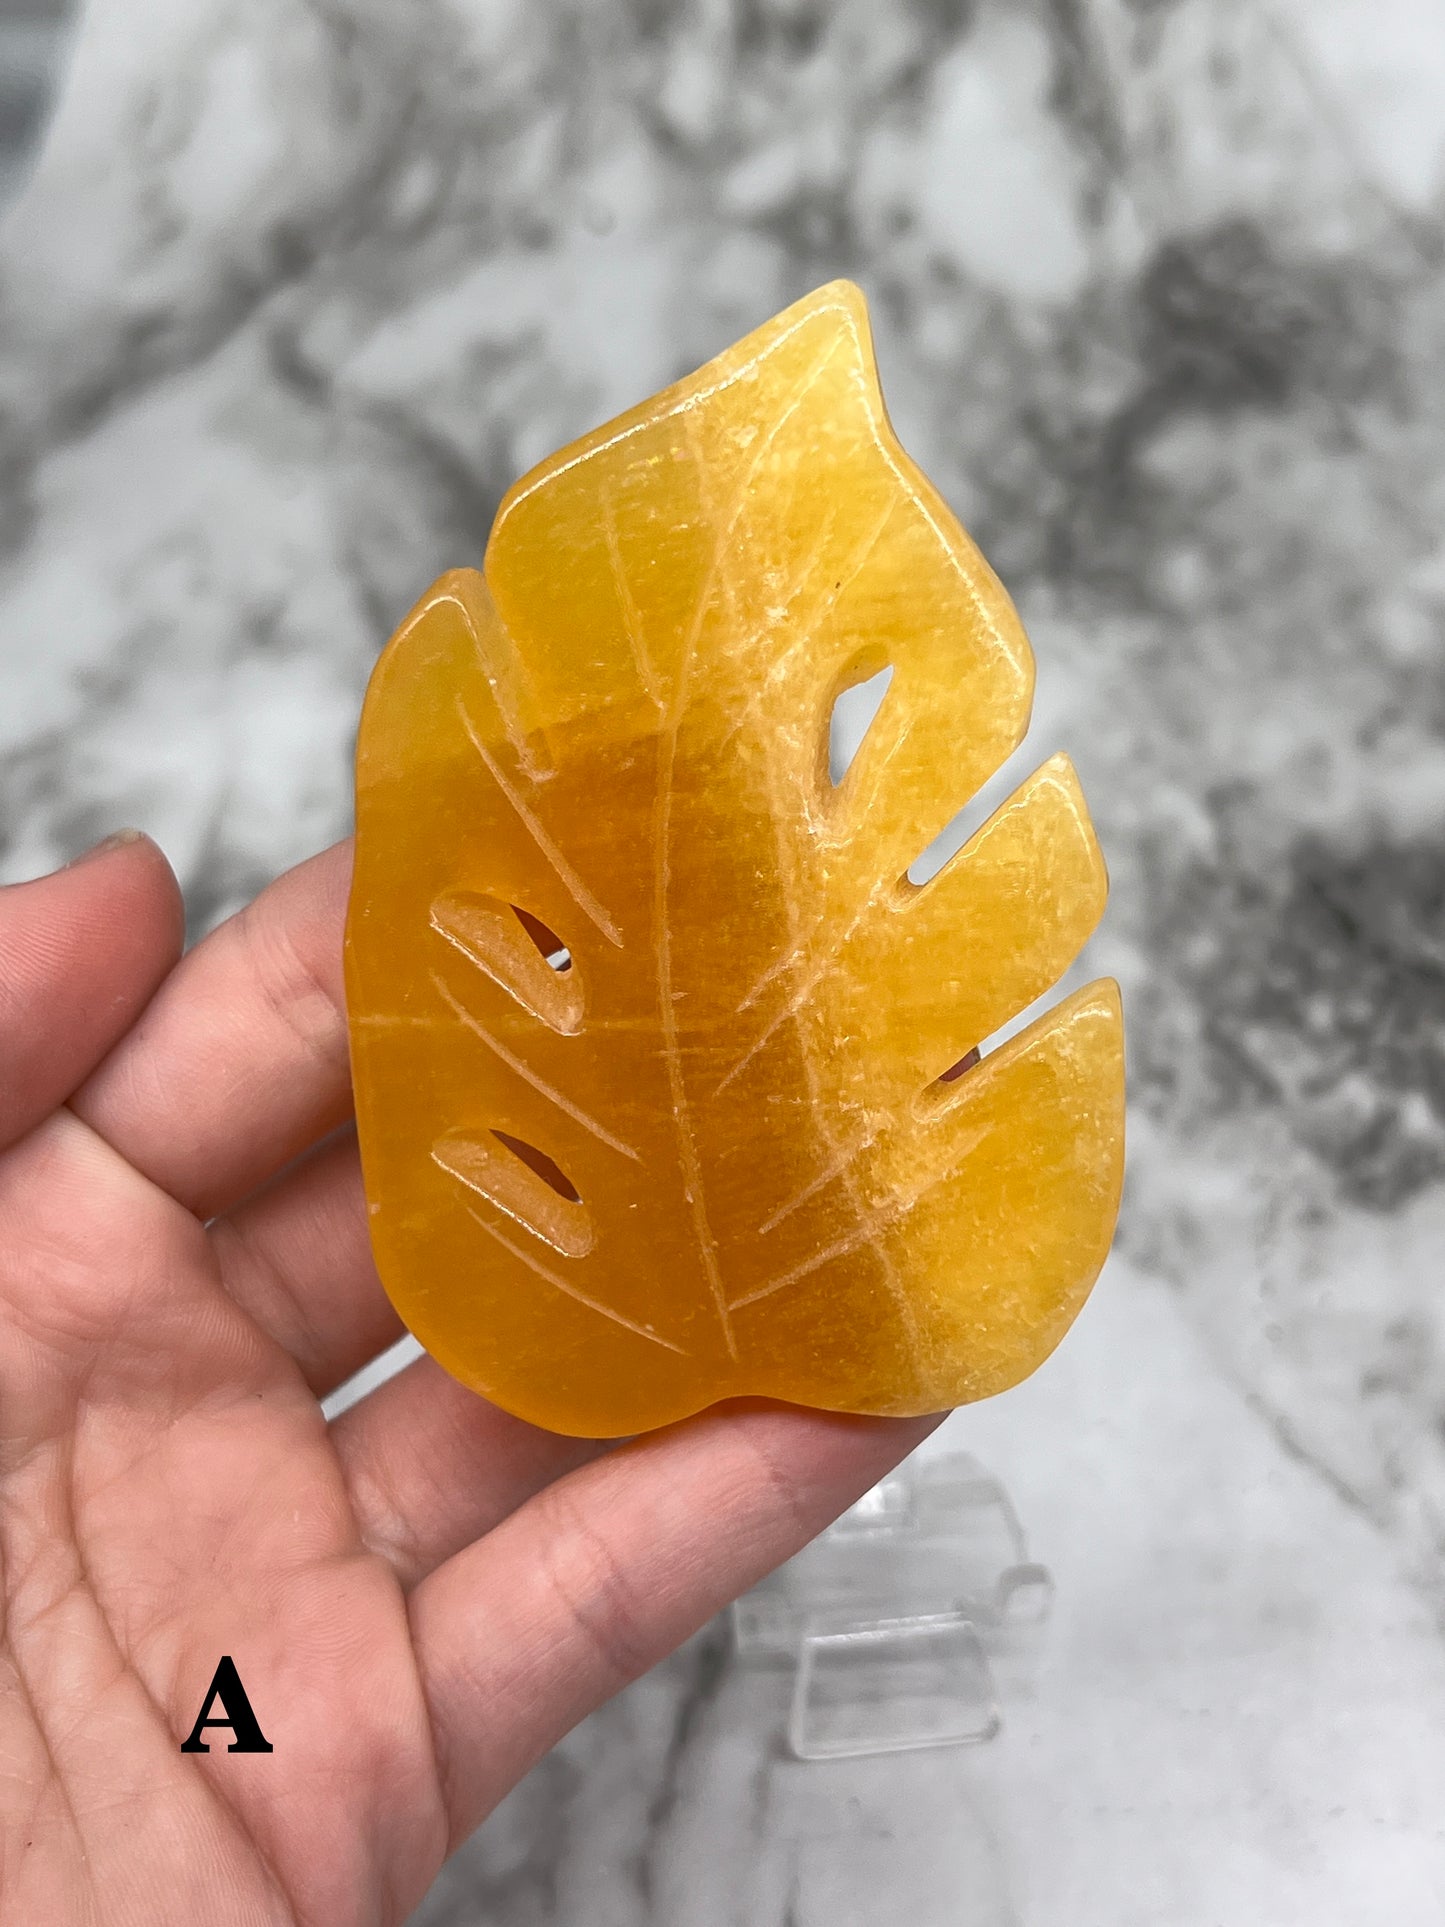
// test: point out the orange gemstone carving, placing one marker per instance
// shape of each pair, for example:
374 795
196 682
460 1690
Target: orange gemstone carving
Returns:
654 1042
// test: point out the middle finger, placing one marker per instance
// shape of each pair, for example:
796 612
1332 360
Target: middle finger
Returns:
431 1466
296 1257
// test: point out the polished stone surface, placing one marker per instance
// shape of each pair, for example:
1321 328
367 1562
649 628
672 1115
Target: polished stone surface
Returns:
658 1052
293 297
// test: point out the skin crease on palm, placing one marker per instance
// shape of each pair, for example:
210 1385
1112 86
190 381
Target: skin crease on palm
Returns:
420 1597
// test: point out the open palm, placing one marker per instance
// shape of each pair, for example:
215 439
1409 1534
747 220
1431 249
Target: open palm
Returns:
421 1596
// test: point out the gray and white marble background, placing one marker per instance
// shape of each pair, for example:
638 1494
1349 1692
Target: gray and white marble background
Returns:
297 287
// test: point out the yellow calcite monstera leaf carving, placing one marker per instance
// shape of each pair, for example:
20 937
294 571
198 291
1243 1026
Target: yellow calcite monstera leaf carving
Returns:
651 1033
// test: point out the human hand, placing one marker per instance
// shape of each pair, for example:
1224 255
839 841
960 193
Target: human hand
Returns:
421 1596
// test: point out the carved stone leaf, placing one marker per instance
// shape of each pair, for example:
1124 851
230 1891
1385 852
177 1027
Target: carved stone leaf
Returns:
650 1030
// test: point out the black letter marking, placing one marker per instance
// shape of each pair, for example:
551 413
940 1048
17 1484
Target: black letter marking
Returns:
227 1688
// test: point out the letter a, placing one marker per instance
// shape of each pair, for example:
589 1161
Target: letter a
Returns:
227 1688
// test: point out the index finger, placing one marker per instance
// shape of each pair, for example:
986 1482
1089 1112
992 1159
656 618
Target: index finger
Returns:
240 1061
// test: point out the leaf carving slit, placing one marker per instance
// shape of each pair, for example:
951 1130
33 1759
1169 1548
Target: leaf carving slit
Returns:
965 1063
553 950
547 1169
521 1181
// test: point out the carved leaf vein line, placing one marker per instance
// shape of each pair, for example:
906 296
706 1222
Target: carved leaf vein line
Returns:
516 735
571 882
866 1232
627 608
570 1290
717 567
807 635
833 1169
539 1084
803 992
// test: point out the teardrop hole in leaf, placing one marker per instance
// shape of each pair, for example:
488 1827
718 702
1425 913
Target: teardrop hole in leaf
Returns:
854 709
545 1168
547 941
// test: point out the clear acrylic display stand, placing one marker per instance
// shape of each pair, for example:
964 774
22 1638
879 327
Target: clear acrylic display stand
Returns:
903 1615
886 1685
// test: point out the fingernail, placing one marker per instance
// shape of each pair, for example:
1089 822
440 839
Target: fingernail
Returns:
117 840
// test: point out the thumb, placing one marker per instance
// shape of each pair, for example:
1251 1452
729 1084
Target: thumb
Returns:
81 954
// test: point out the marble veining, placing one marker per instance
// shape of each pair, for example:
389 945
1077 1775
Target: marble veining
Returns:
291 296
